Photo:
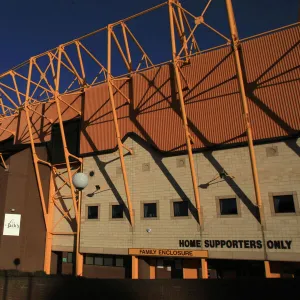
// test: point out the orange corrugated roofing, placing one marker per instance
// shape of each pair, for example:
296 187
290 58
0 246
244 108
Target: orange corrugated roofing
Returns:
271 64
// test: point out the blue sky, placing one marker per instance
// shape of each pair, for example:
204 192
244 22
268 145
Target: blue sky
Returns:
30 27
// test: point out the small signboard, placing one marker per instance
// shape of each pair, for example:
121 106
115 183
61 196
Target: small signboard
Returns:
12 224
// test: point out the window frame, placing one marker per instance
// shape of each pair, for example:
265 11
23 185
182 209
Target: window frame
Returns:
114 258
238 206
172 209
110 212
87 212
295 199
143 211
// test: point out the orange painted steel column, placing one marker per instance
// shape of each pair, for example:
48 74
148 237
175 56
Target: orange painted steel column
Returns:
115 118
67 155
184 117
49 235
135 267
236 46
204 269
48 215
152 267
34 155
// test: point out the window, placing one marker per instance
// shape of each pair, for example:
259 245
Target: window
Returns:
70 257
117 211
150 210
108 261
104 260
119 261
99 260
89 259
93 212
284 204
181 208
228 206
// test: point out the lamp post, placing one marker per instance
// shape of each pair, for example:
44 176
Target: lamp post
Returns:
80 181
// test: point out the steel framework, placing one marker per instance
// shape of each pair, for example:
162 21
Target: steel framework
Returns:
38 81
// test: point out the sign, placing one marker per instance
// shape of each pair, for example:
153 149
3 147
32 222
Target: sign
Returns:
12 224
237 244
167 252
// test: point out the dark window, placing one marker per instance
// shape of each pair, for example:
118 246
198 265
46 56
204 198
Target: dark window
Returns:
108 261
70 257
117 211
104 260
181 209
99 260
150 210
119 261
93 212
284 204
89 259
228 206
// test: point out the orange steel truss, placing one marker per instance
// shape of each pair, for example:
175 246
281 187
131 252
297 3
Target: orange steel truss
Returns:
38 81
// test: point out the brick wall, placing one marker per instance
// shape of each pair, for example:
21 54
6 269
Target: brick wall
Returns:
164 179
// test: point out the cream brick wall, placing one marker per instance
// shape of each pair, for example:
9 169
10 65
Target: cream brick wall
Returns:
165 181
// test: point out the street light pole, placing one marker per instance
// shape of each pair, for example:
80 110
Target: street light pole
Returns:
80 181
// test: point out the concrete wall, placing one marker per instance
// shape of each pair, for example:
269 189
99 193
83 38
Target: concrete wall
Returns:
153 177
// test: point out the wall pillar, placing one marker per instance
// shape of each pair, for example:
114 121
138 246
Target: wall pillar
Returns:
135 267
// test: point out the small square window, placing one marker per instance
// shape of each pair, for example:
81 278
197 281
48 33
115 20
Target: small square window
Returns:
150 210
89 259
284 204
181 209
93 212
70 257
228 206
108 261
119 261
99 260
117 211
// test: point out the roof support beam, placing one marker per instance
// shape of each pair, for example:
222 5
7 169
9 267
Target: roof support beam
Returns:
184 116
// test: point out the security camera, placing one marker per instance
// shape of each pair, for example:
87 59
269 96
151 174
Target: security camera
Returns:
148 230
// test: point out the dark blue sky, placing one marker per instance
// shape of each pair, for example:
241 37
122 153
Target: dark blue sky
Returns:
30 27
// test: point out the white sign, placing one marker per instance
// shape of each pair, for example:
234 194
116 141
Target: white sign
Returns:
12 224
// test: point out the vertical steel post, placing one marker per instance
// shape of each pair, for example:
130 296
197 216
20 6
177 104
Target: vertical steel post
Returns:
47 214
204 269
115 118
49 236
236 46
79 257
184 117
135 267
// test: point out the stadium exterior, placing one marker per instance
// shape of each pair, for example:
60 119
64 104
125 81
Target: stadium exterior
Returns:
193 164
